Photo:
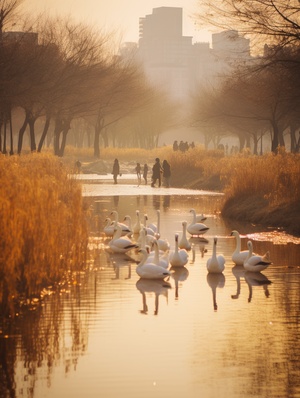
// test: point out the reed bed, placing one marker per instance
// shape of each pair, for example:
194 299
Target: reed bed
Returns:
43 230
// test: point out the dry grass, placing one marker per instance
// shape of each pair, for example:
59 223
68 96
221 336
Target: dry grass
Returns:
42 226
263 189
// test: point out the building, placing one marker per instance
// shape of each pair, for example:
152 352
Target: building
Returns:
171 61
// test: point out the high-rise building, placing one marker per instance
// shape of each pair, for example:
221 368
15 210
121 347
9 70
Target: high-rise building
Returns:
171 61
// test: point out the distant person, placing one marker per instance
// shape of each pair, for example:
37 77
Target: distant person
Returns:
156 173
78 166
166 173
145 173
138 172
116 171
175 145
181 146
192 145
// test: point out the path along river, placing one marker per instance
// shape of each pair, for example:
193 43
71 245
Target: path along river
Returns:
195 335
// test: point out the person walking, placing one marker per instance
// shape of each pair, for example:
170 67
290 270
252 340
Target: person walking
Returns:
145 173
138 172
166 173
116 171
156 173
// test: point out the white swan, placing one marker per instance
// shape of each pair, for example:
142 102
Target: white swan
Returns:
179 257
238 256
119 243
163 244
255 262
184 243
108 227
137 225
156 227
148 230
215 264
198 217
158 257
150 270
124 228
195 228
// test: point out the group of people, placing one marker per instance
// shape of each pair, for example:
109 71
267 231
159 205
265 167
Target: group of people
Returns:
159 172
182 146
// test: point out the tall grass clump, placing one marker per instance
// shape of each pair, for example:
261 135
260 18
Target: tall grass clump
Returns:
43 234
276 178
264 190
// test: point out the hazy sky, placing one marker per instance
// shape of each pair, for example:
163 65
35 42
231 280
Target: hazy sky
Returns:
122 15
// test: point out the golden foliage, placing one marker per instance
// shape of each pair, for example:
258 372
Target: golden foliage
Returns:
43 231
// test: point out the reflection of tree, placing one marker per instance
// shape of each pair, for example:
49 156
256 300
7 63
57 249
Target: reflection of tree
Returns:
40 338
214 281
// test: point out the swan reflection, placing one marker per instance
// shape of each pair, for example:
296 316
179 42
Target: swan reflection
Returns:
199 242
214 281
239 272
120 261
156 286
179 274
257 279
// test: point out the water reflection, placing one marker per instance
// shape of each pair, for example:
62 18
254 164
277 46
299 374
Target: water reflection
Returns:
252 279
179 274
215 281
147 286
94 319
257 279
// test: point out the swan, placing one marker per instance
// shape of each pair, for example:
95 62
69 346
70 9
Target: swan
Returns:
108 227
119 243
256 262
156 227
124 228
198 217
150 270
215 264
180 256
238 256
163 244
158 257
138 225
184 243
148 230
196 228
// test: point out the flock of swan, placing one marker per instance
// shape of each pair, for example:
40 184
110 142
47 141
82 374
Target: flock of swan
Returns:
157 258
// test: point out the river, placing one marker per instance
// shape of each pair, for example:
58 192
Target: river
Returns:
112 335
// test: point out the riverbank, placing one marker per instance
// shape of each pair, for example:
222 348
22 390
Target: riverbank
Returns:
261 190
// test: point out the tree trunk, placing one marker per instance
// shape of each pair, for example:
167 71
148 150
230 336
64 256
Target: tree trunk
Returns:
44 134
31 122
21 134
11 152
275 141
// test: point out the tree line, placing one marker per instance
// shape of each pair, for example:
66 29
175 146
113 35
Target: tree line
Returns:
62 82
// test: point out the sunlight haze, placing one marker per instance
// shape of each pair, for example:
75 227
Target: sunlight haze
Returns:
118 15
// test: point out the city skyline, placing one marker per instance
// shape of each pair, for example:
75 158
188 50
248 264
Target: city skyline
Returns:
117 15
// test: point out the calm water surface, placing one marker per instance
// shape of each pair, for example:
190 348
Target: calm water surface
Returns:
195 335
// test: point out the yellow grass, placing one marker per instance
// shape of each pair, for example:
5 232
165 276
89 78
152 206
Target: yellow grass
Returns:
42 226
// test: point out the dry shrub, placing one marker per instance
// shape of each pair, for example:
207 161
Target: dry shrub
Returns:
273 177
43 231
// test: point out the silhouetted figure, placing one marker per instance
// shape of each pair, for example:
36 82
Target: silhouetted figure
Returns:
192 145
77 166
175 145
181 146
156 173
166 173
116 171
145 173
138 172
